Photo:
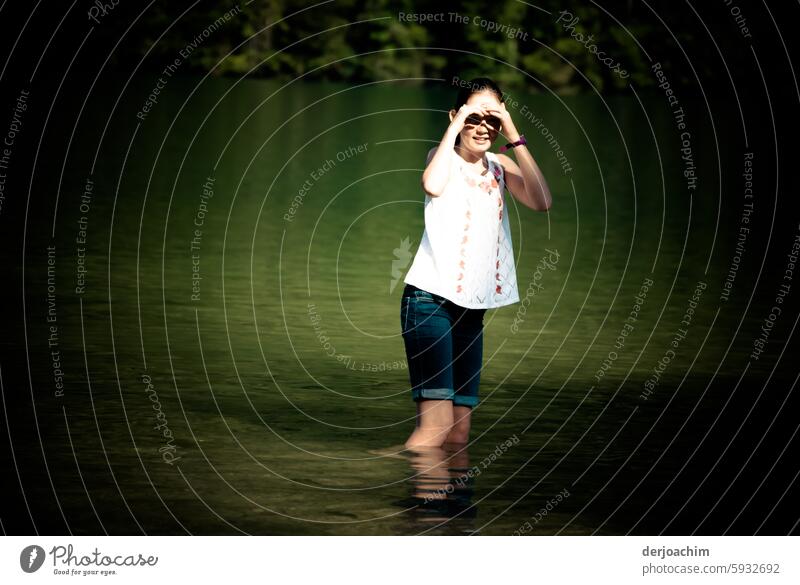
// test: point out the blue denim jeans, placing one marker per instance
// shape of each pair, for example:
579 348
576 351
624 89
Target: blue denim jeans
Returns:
444 347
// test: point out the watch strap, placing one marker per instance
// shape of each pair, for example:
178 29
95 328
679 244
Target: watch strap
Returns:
513 144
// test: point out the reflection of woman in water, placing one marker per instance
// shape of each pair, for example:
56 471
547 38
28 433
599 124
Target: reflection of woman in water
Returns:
465 262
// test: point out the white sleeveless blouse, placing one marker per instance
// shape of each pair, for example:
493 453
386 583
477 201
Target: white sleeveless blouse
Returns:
465 254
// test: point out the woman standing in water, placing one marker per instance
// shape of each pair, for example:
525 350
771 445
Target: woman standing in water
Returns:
465 261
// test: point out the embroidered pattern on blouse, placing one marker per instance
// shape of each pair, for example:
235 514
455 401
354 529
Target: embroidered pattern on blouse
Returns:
498 286
490 187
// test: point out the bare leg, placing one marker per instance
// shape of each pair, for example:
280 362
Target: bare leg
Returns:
434 421
459 433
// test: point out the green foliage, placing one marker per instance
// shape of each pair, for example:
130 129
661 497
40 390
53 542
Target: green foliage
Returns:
351 40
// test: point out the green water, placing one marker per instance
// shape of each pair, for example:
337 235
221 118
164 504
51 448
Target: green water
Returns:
280 373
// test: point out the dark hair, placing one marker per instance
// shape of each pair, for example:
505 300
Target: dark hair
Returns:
476 85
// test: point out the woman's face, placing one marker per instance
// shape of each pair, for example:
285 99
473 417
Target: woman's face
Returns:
480 131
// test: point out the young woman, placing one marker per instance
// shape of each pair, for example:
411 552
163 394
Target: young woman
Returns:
465 261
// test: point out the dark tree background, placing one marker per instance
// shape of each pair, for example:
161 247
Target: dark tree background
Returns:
350 40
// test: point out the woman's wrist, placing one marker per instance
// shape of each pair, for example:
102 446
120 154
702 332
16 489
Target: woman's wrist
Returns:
512 134
451 133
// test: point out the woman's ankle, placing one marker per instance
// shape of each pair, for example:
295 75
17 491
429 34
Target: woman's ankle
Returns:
427 437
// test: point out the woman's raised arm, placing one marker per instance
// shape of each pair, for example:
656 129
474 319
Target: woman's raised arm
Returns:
437 172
